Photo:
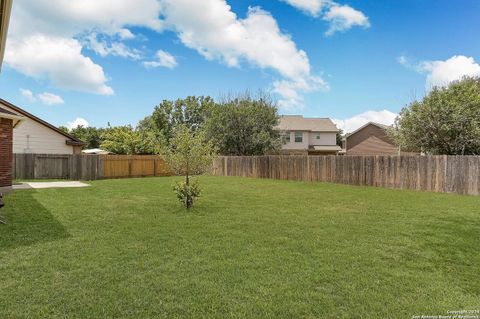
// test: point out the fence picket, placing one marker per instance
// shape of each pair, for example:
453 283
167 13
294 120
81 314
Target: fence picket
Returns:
449 174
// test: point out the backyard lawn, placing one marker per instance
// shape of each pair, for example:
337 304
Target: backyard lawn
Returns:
249 249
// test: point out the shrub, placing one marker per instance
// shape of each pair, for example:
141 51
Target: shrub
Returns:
187 193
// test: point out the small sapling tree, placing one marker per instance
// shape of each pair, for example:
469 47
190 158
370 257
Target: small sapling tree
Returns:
188 154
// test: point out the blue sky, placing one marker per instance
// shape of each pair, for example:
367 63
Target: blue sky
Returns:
352 61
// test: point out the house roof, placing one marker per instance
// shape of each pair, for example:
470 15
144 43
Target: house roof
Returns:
300 123
382 126
72 140
6 114
5 8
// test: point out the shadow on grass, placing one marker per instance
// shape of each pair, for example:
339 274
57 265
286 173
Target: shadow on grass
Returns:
27 222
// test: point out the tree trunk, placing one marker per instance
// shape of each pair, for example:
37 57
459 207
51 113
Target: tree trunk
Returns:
187 178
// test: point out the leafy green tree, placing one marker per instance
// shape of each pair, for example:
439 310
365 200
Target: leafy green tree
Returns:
340 137
243 125
125 140
446 121
64 128
191 111
189 153
92 136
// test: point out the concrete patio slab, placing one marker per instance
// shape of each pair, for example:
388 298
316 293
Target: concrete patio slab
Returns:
39 185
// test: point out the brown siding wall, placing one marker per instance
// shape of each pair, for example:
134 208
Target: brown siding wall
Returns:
6 157
371 140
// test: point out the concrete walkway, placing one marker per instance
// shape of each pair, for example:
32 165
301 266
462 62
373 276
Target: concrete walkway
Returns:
38 185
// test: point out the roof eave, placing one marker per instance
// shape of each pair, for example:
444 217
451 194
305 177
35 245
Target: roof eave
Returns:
307 130
6 9
39 120
381 126
75 143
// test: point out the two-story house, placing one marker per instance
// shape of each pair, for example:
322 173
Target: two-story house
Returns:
308 136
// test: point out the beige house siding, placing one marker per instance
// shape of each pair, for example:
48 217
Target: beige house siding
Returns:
310 139
310 128
34 137
292 145
326 138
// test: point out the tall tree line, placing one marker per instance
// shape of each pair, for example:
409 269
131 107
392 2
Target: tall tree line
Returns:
237 125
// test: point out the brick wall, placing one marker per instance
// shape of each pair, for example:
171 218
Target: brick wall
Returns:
6 157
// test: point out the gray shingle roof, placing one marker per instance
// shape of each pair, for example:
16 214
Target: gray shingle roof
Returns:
300 123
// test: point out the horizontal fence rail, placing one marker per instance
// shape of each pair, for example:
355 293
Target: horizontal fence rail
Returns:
445 174
86 167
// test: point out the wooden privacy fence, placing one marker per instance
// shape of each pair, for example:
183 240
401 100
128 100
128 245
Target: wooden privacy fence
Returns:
448 174
53 166
86 167
123 166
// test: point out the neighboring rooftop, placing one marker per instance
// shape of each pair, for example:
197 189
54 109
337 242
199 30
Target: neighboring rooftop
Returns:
300 123
382 126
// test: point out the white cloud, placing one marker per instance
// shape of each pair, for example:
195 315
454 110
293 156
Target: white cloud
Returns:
311 7
343 18
43 34
125 34
164 59
404 60
50 98
59 60
441 73
218 34
65 18
351 124
45 97
47 38
290 91
103 48
28 95
77 122
340 17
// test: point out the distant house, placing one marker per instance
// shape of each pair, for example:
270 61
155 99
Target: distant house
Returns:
308 136
39 137
370 139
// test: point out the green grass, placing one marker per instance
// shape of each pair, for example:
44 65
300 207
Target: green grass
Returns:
249 249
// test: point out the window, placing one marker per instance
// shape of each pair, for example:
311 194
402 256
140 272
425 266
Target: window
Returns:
298 137
317 136
286 137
